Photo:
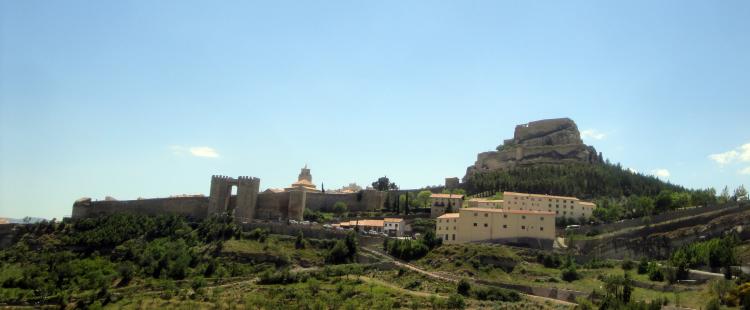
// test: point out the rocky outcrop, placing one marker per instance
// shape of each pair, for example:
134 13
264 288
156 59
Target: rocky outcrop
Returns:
544 141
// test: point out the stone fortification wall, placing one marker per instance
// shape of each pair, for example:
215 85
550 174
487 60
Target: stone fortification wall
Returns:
191 207
272 206
367 200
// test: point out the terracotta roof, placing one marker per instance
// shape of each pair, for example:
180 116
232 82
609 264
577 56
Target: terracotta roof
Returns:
539 195
449 216
363 223
508 211
585 203
392 220
485 200
446 196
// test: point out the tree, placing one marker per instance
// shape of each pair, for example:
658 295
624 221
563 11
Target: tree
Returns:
384 184
299 243
724 197
740 193
339 208
423 199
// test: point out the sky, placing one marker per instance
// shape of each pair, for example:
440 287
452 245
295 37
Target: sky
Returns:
150 98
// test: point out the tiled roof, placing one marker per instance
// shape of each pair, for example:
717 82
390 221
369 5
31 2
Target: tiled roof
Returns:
539 195
446 196
508 211
392 220
449 216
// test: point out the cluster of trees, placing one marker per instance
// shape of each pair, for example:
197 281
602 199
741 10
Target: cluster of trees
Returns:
571 179
343 251
384 184
714 253
408 249
619 193
54 261
492 293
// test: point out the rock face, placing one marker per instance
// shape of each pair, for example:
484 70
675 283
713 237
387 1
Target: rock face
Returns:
545 141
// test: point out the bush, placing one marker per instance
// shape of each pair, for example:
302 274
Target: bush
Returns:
455 301
569 274
463 287
643 266
655 272
627 265
713 304
495 294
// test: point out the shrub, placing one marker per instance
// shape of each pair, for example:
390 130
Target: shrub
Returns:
655 272
495 294
627 265
455 301
569 274
713 304
643 266
463 287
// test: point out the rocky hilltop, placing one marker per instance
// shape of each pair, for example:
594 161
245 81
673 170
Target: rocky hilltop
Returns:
545 141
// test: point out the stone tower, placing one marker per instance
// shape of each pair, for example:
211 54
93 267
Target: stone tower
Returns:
247 198
221 191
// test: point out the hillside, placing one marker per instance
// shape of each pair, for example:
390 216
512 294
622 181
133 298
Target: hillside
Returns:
585 181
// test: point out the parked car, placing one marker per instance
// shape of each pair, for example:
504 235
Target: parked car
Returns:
293 222
305 222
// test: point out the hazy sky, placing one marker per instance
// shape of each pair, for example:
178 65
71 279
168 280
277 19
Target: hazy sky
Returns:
150 98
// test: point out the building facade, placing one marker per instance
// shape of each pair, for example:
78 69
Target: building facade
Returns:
442 203
394 227
536 228
562 206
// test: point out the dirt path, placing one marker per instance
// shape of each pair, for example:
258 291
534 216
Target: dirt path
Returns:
455 280
400 289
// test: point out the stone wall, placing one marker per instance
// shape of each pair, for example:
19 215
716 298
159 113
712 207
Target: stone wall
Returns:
191 207
367 200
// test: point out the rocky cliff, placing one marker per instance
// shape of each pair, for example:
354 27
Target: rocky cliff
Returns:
545 141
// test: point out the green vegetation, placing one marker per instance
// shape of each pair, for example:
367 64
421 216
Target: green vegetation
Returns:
92 262
618 193
714 253
408 249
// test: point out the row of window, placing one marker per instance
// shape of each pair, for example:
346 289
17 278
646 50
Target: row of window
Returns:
540 199
523 227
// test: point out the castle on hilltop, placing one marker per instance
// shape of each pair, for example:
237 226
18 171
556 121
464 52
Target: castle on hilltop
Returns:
248 204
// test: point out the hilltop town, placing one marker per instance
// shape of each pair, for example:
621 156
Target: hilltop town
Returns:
543 222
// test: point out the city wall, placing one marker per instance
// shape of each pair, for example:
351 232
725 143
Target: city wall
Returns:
191 207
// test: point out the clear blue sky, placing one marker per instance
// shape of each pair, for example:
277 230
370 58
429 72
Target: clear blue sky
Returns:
131 98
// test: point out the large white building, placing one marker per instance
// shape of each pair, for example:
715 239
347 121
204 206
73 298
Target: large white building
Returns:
561 206
497 224
442 203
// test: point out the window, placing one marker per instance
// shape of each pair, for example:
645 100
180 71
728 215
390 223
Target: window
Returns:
454 227
541 218
446 236
486 215
505 216
475 224
454 236
505 226
440 228
523 227
557 212
485 224
523 217
541 228
475 214
396 225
